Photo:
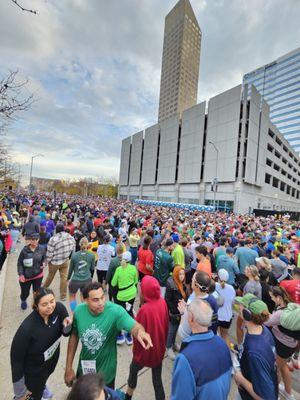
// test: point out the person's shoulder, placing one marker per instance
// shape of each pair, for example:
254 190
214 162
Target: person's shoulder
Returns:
80 309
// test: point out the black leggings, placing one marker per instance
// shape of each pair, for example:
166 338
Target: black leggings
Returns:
36 382
25 287
123 304
156 379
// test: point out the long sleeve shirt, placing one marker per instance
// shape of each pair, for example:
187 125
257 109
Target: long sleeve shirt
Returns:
59 248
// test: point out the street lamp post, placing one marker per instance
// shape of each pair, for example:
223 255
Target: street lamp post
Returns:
215 181
31 167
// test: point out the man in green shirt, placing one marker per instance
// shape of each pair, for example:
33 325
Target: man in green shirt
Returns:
177 253
163 265
97 323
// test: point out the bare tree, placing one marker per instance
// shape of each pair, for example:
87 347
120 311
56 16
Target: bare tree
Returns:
23 8
12 99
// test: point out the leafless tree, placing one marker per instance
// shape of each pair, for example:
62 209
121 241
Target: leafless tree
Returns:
12 99
23 8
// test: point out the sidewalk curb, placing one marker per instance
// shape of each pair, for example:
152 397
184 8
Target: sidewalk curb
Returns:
2 284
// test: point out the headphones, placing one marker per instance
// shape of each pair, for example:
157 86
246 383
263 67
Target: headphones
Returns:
247 314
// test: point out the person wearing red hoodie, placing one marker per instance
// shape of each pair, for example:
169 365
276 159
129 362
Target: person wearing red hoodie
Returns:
154 316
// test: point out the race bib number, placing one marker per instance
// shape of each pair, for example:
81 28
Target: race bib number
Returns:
88 367
28 262
49 352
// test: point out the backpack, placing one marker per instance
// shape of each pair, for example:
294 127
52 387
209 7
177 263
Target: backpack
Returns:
290 320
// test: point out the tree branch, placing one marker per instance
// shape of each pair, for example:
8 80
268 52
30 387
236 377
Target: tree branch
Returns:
23 8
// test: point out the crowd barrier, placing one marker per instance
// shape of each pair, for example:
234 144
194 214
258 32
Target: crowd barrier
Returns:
183 206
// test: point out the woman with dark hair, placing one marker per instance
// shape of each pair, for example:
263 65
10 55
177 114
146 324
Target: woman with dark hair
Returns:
145 258
285 345
35 346
91 387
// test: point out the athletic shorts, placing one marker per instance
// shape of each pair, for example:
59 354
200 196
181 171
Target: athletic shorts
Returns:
101 275
224 324
282 350
74 286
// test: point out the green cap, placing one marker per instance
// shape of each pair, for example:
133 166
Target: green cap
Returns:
252 303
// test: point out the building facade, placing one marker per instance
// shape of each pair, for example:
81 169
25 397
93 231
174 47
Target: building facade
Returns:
235 142
180 61
279 84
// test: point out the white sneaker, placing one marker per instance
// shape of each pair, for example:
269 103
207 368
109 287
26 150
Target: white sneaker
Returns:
171 354
284 394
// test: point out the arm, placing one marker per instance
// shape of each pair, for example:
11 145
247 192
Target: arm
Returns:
71 268
183 380
20 265
141 336
235 267
168 296
274 319
284 275
184 329
72 347
109 274
93 264
247 385
114 281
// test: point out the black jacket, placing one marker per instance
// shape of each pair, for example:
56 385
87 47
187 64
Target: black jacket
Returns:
30 262
172 297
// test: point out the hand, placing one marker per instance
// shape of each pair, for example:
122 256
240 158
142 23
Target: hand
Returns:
70 377
239 378
67 321
144 339
22 278
181 306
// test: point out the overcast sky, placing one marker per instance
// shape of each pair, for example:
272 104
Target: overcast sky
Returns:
94 66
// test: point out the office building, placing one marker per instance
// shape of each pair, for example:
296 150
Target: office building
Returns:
234 141
279 84
180 61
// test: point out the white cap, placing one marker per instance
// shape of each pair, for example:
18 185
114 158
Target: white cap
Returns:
126 256
223 275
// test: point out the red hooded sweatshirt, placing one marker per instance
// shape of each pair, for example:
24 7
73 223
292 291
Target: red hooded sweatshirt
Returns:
154 317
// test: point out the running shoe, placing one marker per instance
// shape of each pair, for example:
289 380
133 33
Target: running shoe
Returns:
23 305
170 354
296 360
121 339
284 394
47 394
128 339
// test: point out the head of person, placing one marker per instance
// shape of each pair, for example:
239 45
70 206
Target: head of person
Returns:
126 258
175 237
106 239
223 277
33 240
280 296
179 279
252 310
201 282
296 273
168 245
184 242
83 243
263 263
230 251
93 235
197 239
44 301
264 275
276 254
119 250
59 228
88 387
223 241
252 273
199 315
201 252
150 289
146 242
94 296
248 242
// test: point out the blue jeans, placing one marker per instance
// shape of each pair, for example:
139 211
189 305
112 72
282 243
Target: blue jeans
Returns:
173 328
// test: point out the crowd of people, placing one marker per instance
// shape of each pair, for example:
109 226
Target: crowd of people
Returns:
168 282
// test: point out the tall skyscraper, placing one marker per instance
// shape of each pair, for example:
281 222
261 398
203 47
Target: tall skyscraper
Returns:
180 61
279 84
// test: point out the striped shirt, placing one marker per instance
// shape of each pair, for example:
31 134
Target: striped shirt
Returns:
59 248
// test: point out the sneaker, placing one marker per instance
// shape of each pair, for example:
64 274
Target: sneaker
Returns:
47 394
296 361
121 339
128 339
171 354
284 394
23 305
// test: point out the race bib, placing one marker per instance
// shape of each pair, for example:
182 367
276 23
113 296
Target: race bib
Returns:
88 367
49 352
28 262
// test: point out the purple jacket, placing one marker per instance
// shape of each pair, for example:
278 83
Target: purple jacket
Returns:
50 226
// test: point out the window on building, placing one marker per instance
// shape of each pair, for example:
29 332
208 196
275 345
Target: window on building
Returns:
268 178
270 148
288 189
277 154
275 182
269 162
276 167
282 186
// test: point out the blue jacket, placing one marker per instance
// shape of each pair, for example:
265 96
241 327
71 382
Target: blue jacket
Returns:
202 370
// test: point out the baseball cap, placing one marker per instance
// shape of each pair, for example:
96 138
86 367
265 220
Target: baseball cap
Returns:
126 256
175 237
253 303
32 236
223 275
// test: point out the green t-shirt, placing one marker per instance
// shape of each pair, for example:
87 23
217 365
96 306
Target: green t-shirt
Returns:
125 278
163 266
82 266
178 256
98 335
